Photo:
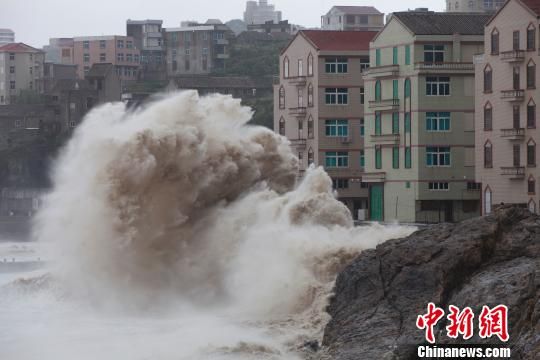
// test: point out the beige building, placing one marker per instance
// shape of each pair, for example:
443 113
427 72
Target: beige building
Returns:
21 69
419 115
474 5
318 106
506 97
363 18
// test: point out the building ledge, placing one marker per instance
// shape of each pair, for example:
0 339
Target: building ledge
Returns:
386 139
513 172
446 67
513 95
513 134
385 104
374 177
383 71
512 56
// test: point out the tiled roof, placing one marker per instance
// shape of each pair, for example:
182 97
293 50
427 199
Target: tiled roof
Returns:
431 23
534 5
18 47
327 40
359 10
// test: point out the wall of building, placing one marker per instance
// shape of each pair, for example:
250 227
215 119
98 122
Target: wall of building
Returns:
27 75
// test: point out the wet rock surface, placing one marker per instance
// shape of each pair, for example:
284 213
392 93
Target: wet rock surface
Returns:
485 261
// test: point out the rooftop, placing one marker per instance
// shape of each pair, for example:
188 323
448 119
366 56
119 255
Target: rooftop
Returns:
432 23
534 5
358 10
327 40
19 48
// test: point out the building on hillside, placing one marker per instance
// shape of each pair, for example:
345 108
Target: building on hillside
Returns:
363 18
271 27
197 49
240 87
318 106
119 51
147 36
474 5
506 96
59 51
7 36
21 70
260 13
420 118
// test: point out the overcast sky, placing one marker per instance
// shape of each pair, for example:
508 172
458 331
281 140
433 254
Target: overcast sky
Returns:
35 21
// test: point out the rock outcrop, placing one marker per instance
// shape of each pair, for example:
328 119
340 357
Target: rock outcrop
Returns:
485 261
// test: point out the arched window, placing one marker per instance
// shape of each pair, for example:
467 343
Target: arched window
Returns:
531 74
310 157
531 153
310 65
300 97
488 117
407 88
310 127
378 90
531 114
310 95
495 42
531 37
300 129
488 155
282 126
286 67
488 79
488 201
282 97
457 5
532 206
531 185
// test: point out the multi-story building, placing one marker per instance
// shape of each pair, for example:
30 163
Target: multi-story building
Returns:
474 5
197 49
148 37
318 106
506 97
419 114
364 18
117 50
269 27
21 69
59 51
259 13
7 36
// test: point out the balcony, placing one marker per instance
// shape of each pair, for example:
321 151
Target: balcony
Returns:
299 81
222 42
299 144
383 71
298 112
513 172
514 96
513 134
344 172
374 177
512 56
385 104
445 67
386 139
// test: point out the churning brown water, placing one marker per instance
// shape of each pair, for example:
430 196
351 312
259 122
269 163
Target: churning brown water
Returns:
179 232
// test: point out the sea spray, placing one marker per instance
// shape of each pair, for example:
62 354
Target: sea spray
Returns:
178 220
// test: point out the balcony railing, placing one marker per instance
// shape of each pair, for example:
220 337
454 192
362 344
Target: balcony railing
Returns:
390 139
298 111
297 80
383 71
513 172
299 143
374 177
384 104
444 66
513 134
512 55
513 95
344 172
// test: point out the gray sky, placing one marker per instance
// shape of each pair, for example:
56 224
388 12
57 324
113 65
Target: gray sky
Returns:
35 21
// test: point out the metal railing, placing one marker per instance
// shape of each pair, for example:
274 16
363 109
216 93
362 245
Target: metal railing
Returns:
519 132
512 94
512 55
513 171
384 103
469 66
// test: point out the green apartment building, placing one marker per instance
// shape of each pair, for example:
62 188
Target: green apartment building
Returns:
419 118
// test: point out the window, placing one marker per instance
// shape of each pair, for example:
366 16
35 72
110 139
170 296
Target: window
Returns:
395 123
340 183
434 53
336 65
300 98
310 127
407 90
531 75
487 201
407 54
437 156
408 158
407 122
378 90
437 86
488 79
531 38
102 44
205 51
300 67
488 155
516 82
437 121
187 51
87 69
531 115
395 89
120 44
102 57
362 127
474 186
362 95
378 121
531 186
86 57
531 153
438 186
488 117
129 57
378 57
494 42
136 58
129 44
336 159
364 64
12 69
286 67
337 96
337 128
516 117
282 126
120 57
395 157
11 56
86 44
310 95
378 157
310 157
310 65
394 55
362 159
282 97
517 155
515 40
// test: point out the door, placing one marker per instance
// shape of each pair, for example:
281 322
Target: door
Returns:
376 205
